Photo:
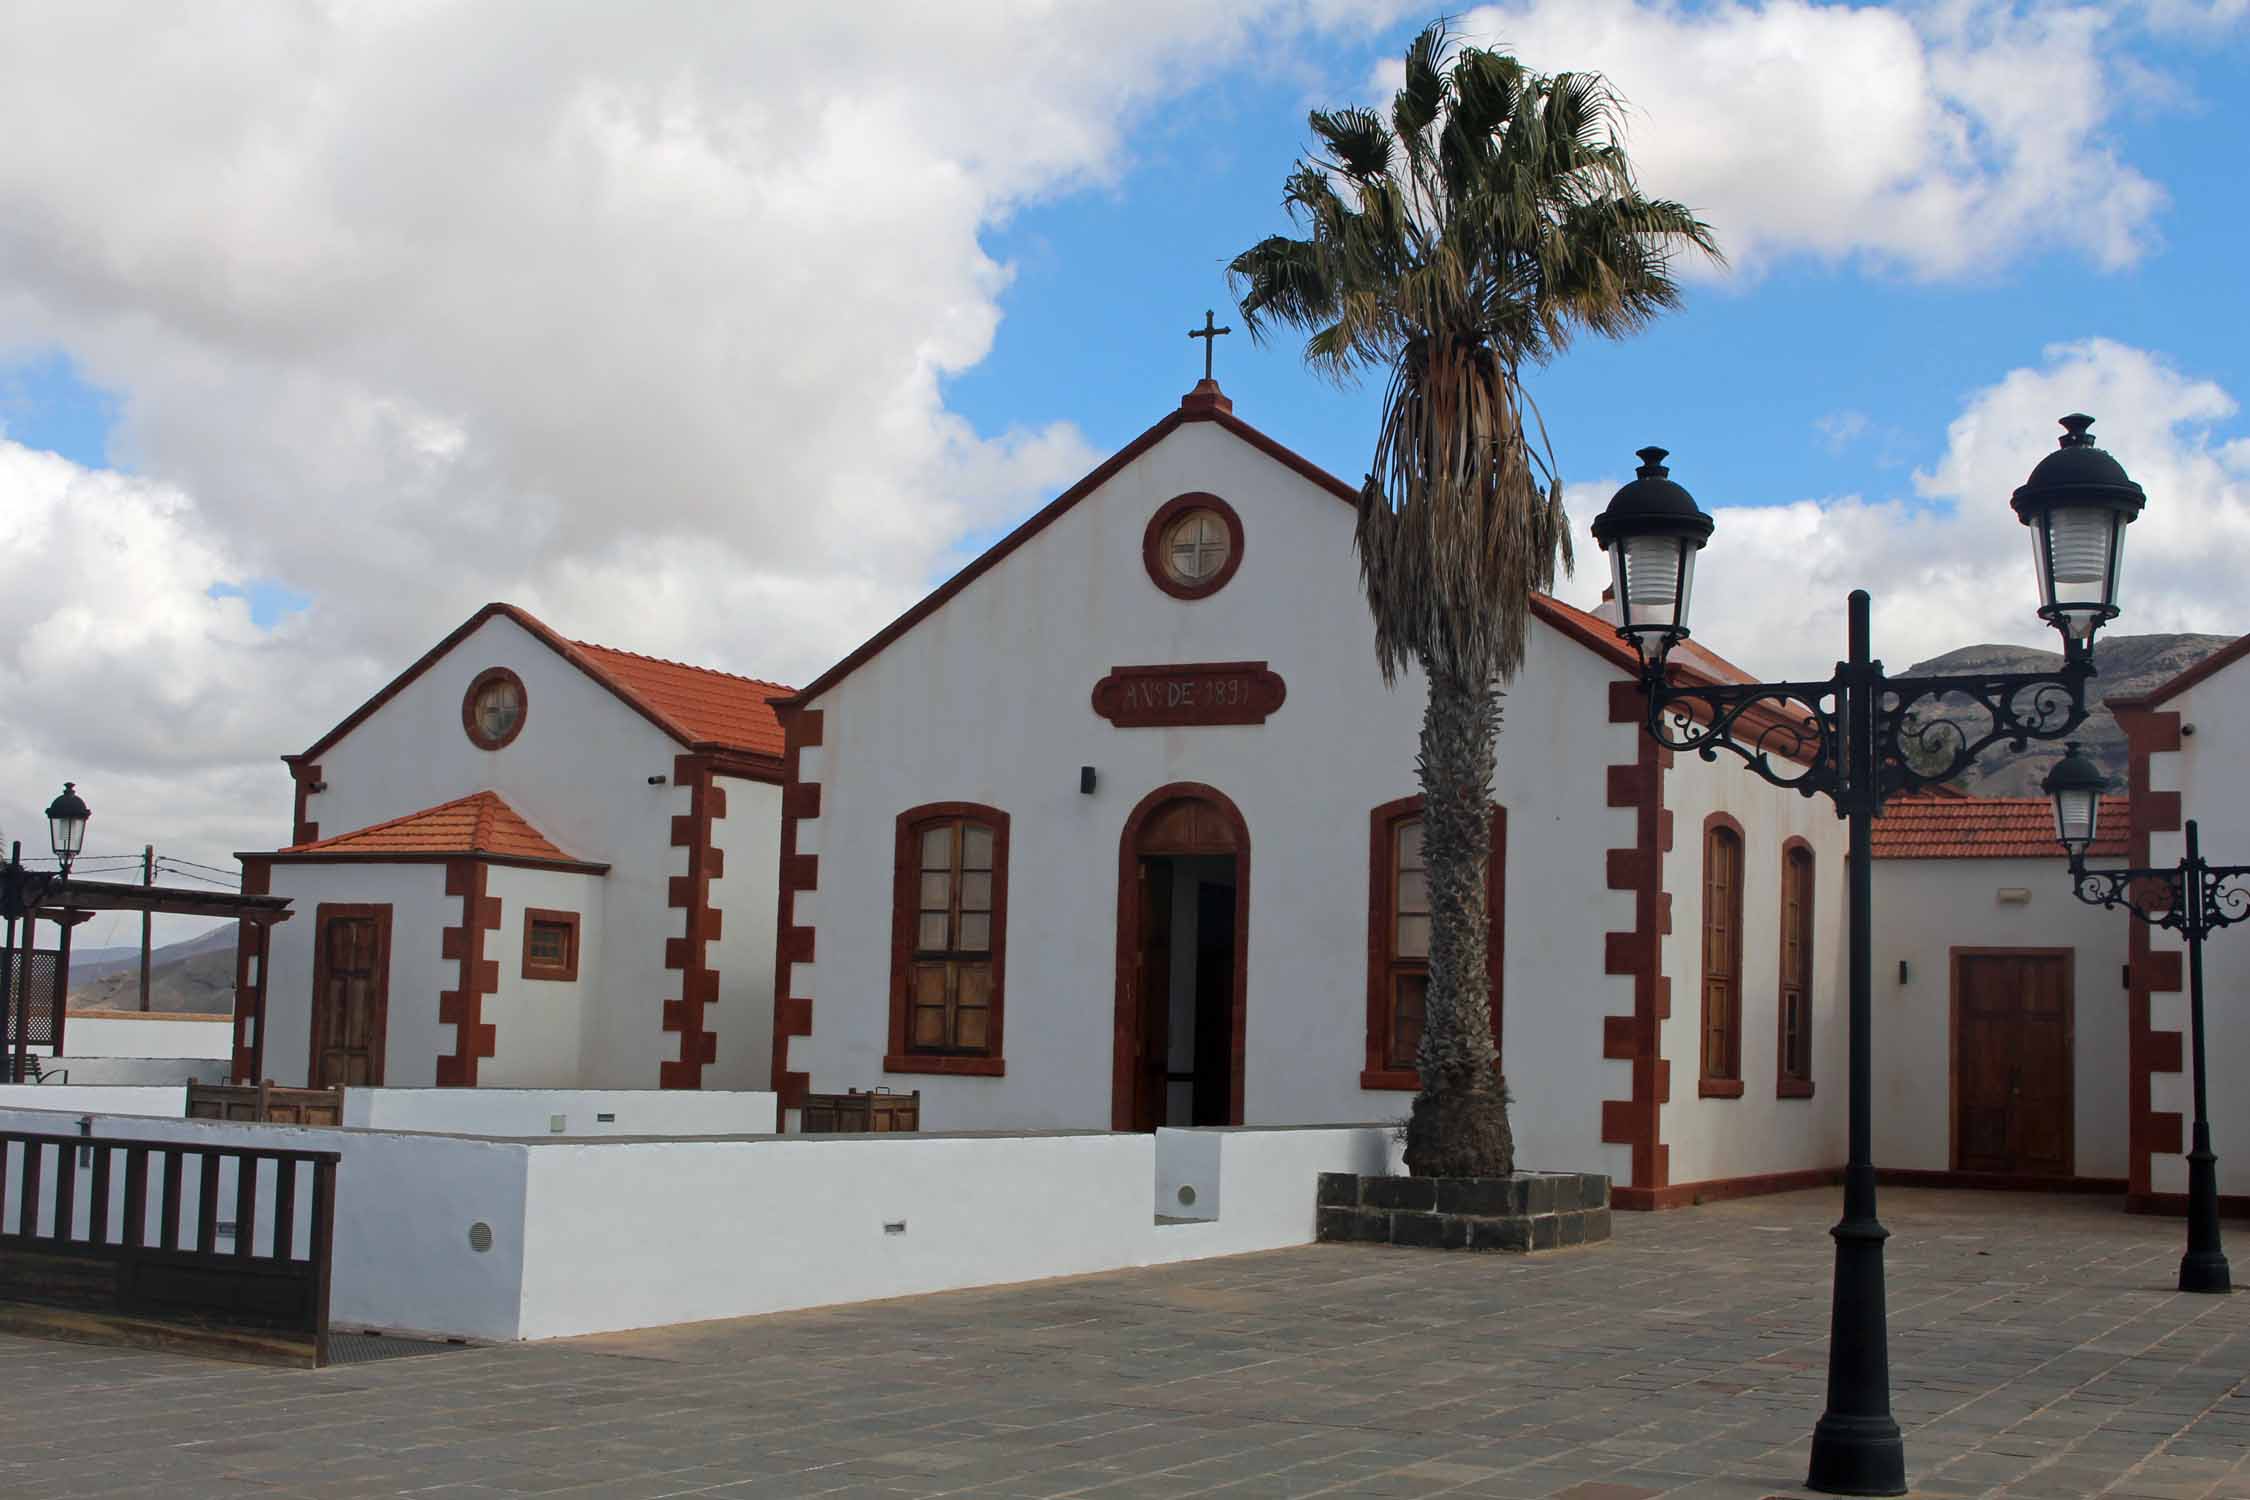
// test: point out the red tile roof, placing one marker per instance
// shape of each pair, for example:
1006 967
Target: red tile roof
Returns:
712 706
1592 630
1952 827
480 823
702 708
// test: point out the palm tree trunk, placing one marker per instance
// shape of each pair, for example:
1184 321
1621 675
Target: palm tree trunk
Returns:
1459 1127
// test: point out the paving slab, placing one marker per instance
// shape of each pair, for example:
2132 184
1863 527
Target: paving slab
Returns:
2038 1349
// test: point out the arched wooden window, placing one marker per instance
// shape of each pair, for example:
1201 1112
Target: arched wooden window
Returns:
1398 939
1795 1049
1722 958
949 916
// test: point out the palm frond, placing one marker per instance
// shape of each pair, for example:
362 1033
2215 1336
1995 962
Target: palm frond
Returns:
1465 238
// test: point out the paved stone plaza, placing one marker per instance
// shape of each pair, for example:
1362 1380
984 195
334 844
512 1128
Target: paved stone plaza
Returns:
2037 1351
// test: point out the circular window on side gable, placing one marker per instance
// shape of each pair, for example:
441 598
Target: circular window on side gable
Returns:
492 709
1193 545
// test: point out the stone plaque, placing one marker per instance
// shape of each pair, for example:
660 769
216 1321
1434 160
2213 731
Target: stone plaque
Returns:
1191 693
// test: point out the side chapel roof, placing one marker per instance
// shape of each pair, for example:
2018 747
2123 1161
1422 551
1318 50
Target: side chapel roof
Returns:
480 824
701 707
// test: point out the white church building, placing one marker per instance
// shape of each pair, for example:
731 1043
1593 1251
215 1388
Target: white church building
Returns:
2189 745
1117 829
526 861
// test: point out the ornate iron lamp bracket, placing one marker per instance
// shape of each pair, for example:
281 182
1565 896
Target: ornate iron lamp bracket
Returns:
1792 733
1784 731
2191 898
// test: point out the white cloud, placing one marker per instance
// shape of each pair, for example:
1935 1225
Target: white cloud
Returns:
1937 139
1840 429
634 315
1951 565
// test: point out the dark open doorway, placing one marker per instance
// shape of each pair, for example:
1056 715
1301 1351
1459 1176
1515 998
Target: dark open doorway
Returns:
1182 919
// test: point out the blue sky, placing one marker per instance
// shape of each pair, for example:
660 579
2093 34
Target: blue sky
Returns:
1737 384
1803 377
1809 377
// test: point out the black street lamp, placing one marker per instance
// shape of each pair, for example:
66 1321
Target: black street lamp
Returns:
1860 738
21 891
2194 899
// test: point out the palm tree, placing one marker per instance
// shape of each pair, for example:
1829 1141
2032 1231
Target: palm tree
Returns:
1477 230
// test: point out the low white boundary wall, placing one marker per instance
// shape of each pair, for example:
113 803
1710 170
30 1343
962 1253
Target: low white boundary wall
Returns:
161 1101
633 1234
100 1033
137 1070
570 1112
404 1204
587 1236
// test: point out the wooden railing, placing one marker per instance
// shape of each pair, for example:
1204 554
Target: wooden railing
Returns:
221 1247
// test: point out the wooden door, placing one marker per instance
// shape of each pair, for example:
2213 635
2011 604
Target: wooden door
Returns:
1152 1078
2012 1061
1185 818
351 994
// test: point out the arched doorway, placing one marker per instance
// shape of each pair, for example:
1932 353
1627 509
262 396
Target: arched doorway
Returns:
1183 929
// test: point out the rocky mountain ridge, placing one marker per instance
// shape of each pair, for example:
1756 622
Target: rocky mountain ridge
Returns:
2126 666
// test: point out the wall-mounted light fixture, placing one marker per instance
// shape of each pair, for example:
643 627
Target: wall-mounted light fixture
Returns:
318 786
1086 780
656 781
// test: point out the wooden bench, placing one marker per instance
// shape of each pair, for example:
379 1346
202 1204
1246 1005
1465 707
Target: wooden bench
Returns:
265 1104
855 1112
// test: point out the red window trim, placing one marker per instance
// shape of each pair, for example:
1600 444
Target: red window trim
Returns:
1711 1085
532 967
1381 899
477 685
1785 1086
1152 544
905 876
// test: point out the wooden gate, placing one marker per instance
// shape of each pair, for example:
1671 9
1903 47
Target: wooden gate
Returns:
220 1250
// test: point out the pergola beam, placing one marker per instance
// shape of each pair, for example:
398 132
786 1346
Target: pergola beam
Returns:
176 901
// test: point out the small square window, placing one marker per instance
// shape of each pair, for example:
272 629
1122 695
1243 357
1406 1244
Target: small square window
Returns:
550 944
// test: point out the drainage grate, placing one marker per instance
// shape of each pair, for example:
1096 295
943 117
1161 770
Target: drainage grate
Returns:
361 1348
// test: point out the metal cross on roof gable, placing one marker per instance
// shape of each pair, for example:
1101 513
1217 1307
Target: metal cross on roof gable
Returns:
1209 335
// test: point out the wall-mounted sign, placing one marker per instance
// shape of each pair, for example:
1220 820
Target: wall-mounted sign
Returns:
1192 693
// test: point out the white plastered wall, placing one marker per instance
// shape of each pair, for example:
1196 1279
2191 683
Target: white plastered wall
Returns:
987 700
745 895
540 1025
158 1034
580 772
1758 1132
420 912
1924 909
2209 771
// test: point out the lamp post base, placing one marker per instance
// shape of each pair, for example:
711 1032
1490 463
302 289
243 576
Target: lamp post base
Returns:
1856 1447
2205 1271
1857 1455
2204 1267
